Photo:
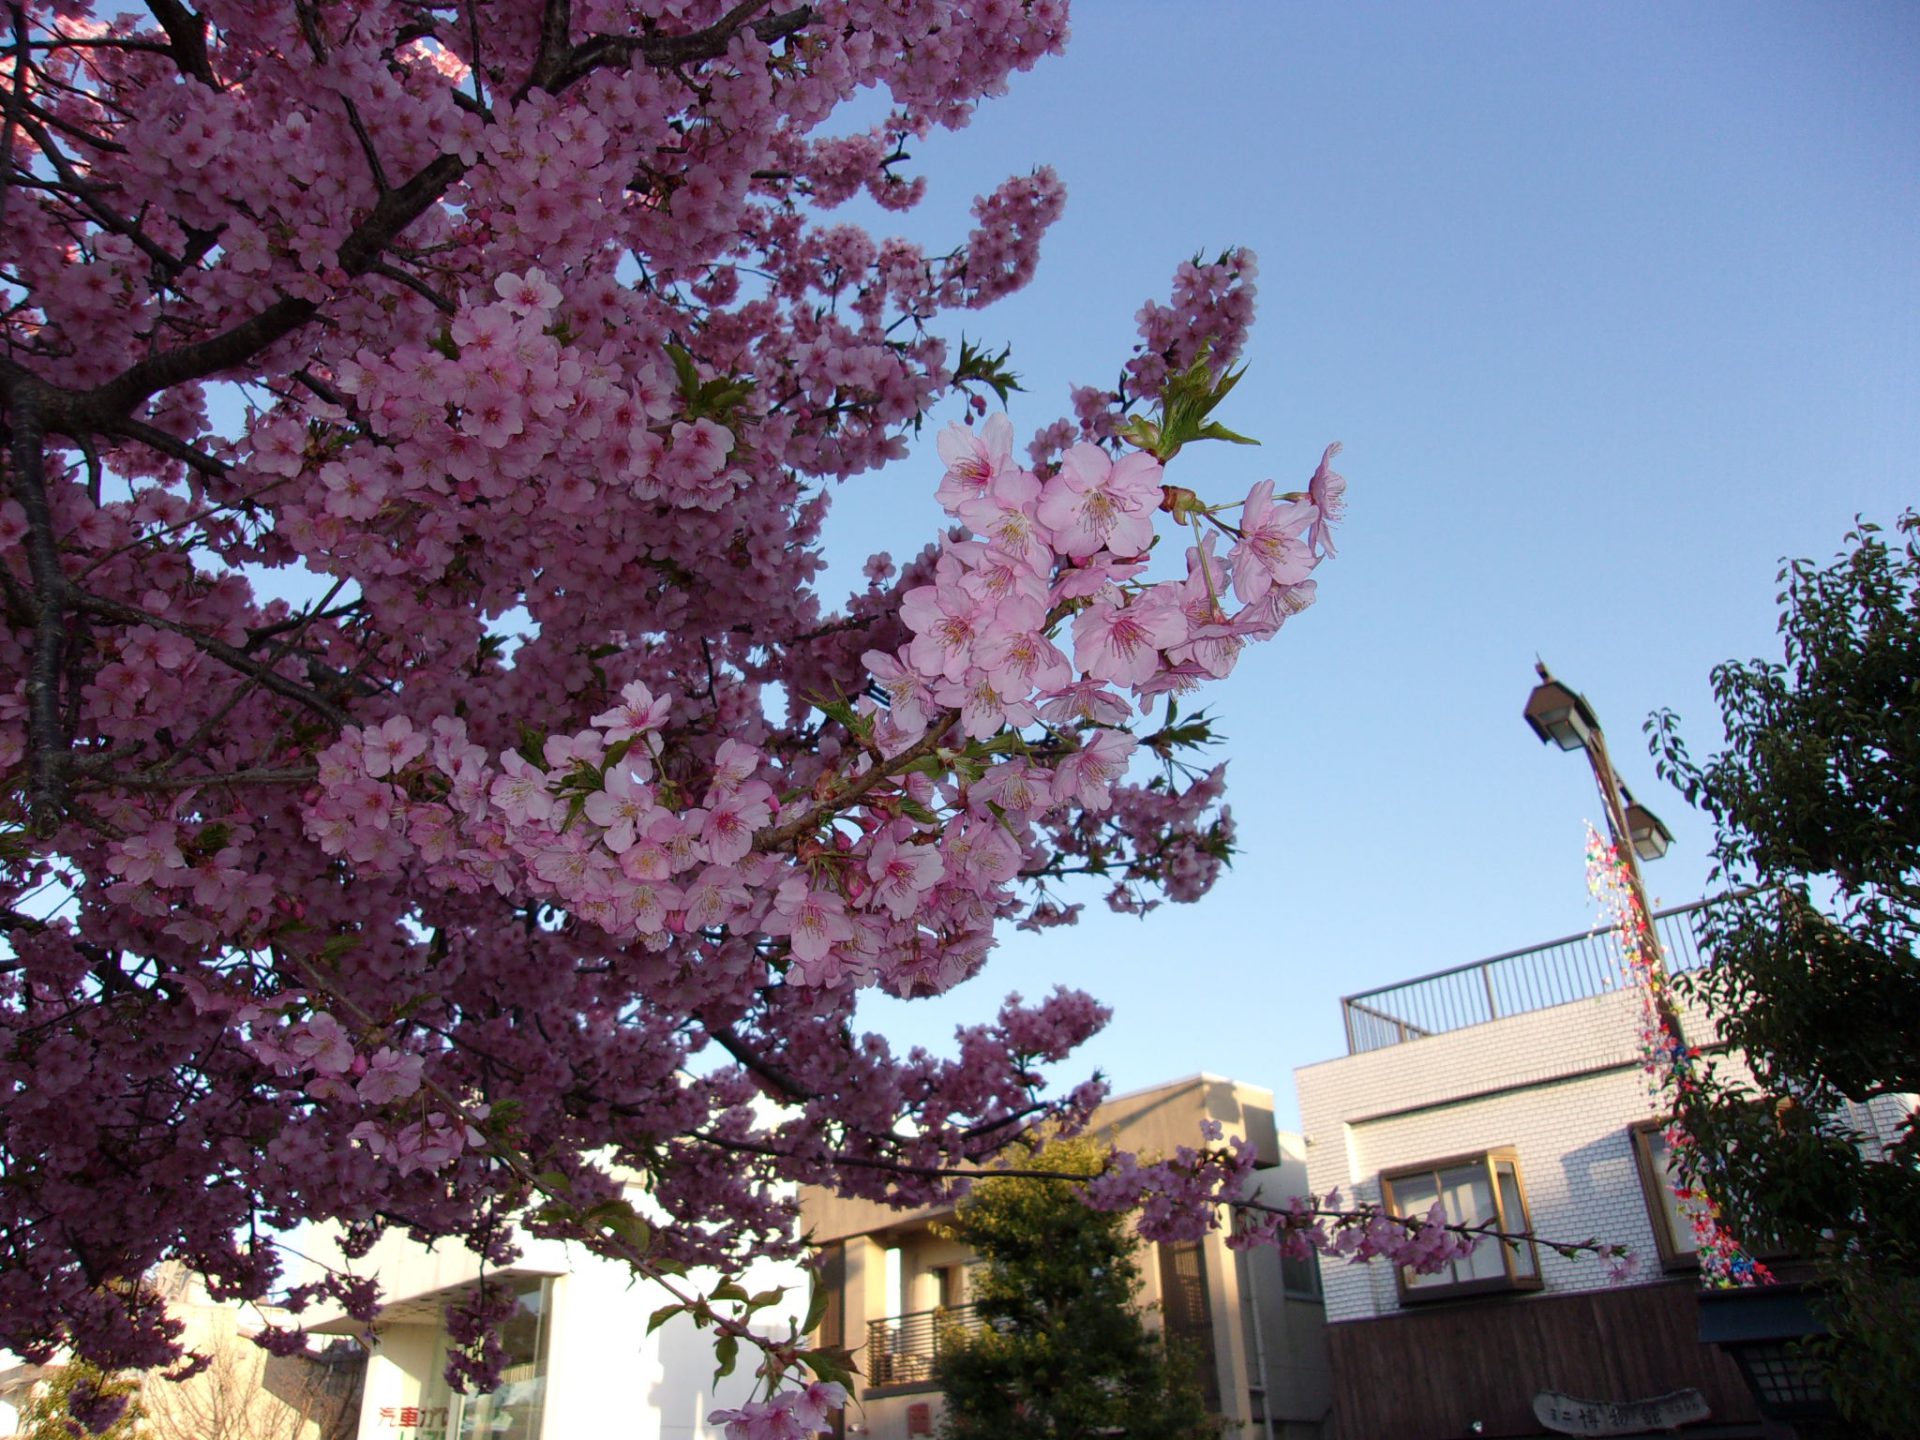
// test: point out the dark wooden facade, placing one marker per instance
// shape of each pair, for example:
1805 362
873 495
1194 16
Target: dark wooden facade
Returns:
1430 1373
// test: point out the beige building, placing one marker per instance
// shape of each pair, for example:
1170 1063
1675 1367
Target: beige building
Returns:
243 1393
1253 1320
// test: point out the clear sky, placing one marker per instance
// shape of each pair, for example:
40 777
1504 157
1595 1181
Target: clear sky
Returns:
1613 308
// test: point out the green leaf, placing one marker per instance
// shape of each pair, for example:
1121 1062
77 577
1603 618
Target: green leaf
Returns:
338 946
1214 430
662 1315
978 367
726 1353
834 1365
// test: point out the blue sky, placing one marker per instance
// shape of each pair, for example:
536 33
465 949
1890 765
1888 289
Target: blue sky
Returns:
1613 307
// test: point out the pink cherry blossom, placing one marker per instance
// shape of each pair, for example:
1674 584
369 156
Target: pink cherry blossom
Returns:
391 746
1327 493
974 462
902 874
1121 643
1095 503
1271 550
815 920
1088 774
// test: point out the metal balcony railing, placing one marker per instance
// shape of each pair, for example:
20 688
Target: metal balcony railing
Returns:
1574 968
902 1349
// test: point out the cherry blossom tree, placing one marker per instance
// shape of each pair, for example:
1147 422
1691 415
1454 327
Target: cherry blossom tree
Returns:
434 787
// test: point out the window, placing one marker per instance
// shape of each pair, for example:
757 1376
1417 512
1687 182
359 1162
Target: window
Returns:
511 1412
1187 1313
1672 1216
1472 1190
1300 1278
954 1290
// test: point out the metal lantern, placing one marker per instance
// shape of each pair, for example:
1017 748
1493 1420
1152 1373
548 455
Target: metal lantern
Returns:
1560 715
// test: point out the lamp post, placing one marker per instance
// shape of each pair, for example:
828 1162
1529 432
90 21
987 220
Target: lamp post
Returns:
1563 717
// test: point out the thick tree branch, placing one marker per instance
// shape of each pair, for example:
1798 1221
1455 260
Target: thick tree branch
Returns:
788 1088
666 51
47 736
261 775
187 36
16 94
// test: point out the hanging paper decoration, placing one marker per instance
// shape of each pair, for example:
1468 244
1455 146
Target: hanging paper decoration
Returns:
1669 1063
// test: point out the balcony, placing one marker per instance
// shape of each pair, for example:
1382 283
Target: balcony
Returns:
1574 968
903 1349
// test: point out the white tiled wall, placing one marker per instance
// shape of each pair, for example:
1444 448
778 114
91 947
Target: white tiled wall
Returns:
1559 1085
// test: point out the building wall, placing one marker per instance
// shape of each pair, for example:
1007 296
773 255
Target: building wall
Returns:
1561 1087
605 1376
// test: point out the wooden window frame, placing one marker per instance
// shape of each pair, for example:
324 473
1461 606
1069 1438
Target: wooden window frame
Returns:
1508 1283
1671 1257
1654 1188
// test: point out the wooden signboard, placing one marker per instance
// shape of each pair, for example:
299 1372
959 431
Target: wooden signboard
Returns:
1565 1415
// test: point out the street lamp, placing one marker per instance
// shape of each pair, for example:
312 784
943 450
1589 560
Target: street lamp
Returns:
1645 833
1562 717
1559 714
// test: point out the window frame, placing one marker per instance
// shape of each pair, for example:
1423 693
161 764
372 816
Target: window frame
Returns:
1654 1190
1509 1282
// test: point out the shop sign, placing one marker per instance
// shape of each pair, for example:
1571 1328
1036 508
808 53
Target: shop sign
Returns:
426 1422
1565 1415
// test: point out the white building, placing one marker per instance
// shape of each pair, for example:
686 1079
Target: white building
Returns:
580 1364
1513 1090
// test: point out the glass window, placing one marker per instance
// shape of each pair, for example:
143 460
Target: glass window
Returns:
1300 1276
1672 1216
1473 1191
511 1411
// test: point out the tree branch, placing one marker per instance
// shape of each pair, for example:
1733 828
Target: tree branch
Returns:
187 34
666 51
790 1089
155 438
228 655
413 282
817 815
47 737
15 96
264 775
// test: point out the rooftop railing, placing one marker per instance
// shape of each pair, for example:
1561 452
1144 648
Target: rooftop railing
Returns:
903 1349
1574 968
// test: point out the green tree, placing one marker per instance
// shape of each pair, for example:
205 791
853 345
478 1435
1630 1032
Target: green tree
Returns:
76 1400
1062 1353
1816 808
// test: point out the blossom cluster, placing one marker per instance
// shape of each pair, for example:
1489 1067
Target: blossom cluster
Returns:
899 883
787 1415
428 770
